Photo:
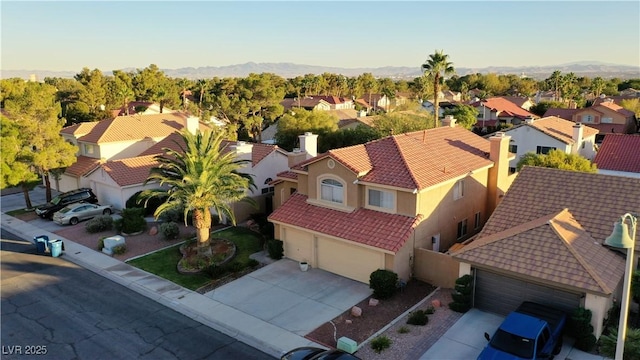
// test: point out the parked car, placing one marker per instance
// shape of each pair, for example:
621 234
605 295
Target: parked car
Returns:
314 353
47 210
532 331
72 214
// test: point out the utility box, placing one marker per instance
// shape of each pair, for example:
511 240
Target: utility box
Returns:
348 345
111 242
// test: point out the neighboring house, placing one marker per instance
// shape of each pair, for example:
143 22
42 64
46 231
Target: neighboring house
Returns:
451 96
544 243
144 107
522 102
116 155
357 209
499 110
318 102
546 96
631 92
543 135
606 116
619 154
443 106
374 102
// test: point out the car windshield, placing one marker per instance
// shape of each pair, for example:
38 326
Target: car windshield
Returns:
65 210
55 200
513 344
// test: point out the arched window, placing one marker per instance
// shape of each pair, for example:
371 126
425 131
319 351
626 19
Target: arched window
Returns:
332 190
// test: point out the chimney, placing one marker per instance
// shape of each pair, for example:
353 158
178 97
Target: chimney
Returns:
309 144
243 150
578 135
449 121
498 181
192 124
529 120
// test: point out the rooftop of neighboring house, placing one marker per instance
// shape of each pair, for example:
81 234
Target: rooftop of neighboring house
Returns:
519 101
545 227
557 128
414 160
131 171
83 165
619 152
148 106
617 99
504 107
128 128
566 114
309 101
615 107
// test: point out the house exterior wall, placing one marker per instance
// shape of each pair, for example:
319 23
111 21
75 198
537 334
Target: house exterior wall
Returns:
599 306
581 116
267 168
436 268
321 170
282 192
124 149
345 105
66 183
528 139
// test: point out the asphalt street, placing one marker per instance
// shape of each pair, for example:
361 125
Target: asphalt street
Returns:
54 309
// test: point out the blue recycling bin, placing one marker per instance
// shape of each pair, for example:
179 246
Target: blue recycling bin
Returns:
41 242
56 247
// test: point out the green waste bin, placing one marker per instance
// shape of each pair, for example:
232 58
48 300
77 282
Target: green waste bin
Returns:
56 247
41 243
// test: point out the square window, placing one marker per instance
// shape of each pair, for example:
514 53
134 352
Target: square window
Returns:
544 149
513 148
383 199
458 190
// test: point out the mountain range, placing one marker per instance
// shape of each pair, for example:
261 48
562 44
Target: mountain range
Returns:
289 70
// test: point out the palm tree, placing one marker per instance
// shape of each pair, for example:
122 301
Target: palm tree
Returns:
435 67
197 178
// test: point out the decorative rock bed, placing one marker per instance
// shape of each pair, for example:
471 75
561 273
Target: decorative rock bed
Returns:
218 246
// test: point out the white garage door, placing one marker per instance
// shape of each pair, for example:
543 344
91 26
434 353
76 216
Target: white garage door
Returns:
297 245
502 294
348 260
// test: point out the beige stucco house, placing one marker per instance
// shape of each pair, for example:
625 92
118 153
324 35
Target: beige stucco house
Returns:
354 210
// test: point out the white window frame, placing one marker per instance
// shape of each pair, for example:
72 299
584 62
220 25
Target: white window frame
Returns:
326 186
458 189
387 199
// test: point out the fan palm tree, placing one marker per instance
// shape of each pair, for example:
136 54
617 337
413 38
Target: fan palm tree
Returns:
197 178
435 67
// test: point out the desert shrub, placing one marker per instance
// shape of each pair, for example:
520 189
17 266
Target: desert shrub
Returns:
253 263
169 230
99 223
120 249
216 271
101 243
463 295
117 225
418 317
403 330
275 249
177 216
133 220
430 310
384 283
380 343
579 327
631 344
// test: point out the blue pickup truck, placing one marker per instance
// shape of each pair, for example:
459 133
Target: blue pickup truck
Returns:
532 331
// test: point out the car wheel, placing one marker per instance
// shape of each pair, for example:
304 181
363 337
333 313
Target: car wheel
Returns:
106 212
73 221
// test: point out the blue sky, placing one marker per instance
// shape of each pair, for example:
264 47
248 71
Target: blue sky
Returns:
112 35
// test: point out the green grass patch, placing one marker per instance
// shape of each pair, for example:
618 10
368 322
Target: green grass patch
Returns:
18 212
163 263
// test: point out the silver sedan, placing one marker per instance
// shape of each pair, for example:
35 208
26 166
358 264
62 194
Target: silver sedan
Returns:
72 214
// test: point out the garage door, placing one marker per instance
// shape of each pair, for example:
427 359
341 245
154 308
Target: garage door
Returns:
297 245
348 260
502 294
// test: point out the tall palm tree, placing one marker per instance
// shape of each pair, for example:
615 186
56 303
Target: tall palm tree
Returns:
437 66
198 177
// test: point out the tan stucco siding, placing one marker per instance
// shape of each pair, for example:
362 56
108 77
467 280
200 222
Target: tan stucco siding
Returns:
406 203
348 260
298 245
303 184
321 170
282 192
402 261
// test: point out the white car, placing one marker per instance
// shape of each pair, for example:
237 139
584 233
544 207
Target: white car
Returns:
72 214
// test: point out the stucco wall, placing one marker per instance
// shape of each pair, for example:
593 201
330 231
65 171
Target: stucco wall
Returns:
436 268
528 139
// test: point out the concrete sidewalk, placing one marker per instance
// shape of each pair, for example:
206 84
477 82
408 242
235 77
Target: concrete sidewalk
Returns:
251 330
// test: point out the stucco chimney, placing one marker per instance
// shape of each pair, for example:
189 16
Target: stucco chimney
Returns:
498 181
449 121
309 144
192 124
578 135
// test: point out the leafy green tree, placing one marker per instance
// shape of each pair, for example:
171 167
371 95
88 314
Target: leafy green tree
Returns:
299 121
465 115
16 159
198 177
558 159
368 84
35 114
435 67
399 123
94 92
630 83
542 107
632 105
347 137
422 87
597 86
262 96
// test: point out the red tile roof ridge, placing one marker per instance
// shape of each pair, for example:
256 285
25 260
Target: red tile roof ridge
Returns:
559 225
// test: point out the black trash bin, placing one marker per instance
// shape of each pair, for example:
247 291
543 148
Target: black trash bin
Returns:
42 243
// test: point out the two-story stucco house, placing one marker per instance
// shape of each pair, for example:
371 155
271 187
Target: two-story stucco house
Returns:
606 116
551 133
500 110
357 209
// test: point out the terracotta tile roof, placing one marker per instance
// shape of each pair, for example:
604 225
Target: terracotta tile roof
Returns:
483 123
261 151
83 165
505 107
288 175
416 160
619 152
566 114
595 200
381 230
344 114
554 248
610 128
171 142
132 171
79 129
617 99
559 128
519 101
126 128
617 108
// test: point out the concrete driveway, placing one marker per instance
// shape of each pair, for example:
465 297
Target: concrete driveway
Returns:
465 340
283 295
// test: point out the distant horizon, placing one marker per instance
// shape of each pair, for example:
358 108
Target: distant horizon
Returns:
113 35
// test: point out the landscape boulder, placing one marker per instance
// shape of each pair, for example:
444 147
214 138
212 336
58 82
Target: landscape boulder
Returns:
356 311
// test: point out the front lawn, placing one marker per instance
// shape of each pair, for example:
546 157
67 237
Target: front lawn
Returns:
163 263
